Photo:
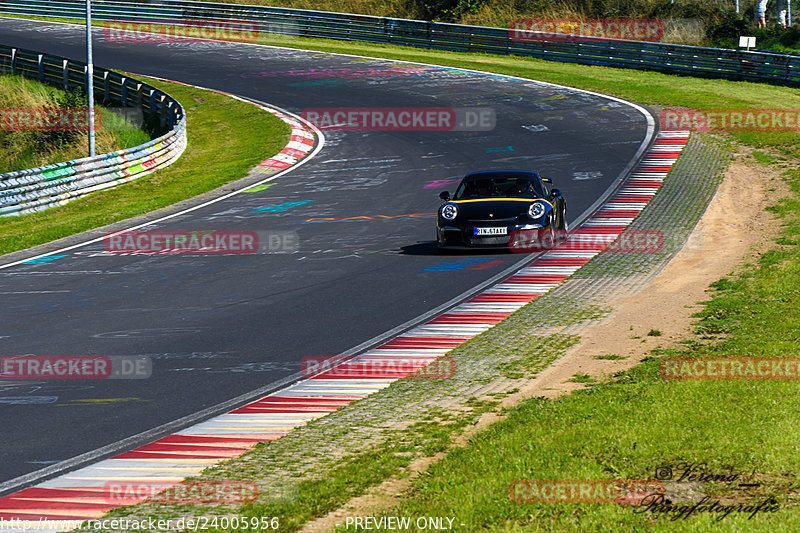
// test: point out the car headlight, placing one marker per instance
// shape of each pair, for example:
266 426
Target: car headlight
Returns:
536 210
449 212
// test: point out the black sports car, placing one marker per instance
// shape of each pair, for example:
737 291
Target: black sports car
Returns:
501 209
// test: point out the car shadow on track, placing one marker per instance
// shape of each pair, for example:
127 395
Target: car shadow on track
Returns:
432 248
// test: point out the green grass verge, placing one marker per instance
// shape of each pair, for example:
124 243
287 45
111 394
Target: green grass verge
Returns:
322 494
226 139
21 149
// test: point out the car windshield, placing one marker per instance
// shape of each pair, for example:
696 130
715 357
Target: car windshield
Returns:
499 186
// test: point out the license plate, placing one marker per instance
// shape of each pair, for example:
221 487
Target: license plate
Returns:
491 231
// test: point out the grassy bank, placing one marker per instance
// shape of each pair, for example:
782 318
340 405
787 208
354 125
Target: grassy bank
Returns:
28 149
217 125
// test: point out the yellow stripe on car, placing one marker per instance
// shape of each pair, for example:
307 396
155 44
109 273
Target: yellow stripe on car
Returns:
526 200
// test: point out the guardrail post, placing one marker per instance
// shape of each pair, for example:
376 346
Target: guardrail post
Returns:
106 89
163 110
429 30
13 61
41 67
139 95
152 102
787 70
303 27
65 74
123 92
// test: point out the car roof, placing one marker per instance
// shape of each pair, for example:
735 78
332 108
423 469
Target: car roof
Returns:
489 173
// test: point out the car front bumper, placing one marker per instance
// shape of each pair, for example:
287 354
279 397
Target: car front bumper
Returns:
449 236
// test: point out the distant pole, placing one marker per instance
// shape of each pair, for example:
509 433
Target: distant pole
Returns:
90 76
737 7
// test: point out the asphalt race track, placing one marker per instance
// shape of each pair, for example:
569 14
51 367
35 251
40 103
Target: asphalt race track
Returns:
218 326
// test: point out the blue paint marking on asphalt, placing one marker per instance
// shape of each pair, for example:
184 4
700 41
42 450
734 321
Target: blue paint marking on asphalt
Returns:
45 259
501 149
279 208
461 264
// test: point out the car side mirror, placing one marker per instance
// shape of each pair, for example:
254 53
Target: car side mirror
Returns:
556 193
444 195
546 180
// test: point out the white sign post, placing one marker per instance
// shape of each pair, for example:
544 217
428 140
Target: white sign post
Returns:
90 76
747 42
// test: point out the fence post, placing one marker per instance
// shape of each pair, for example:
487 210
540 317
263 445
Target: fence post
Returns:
152 103
65 74
139 95
430 31
163 110
41 67
123 92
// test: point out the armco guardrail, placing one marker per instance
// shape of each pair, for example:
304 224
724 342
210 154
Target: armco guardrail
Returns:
663 57
35 189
